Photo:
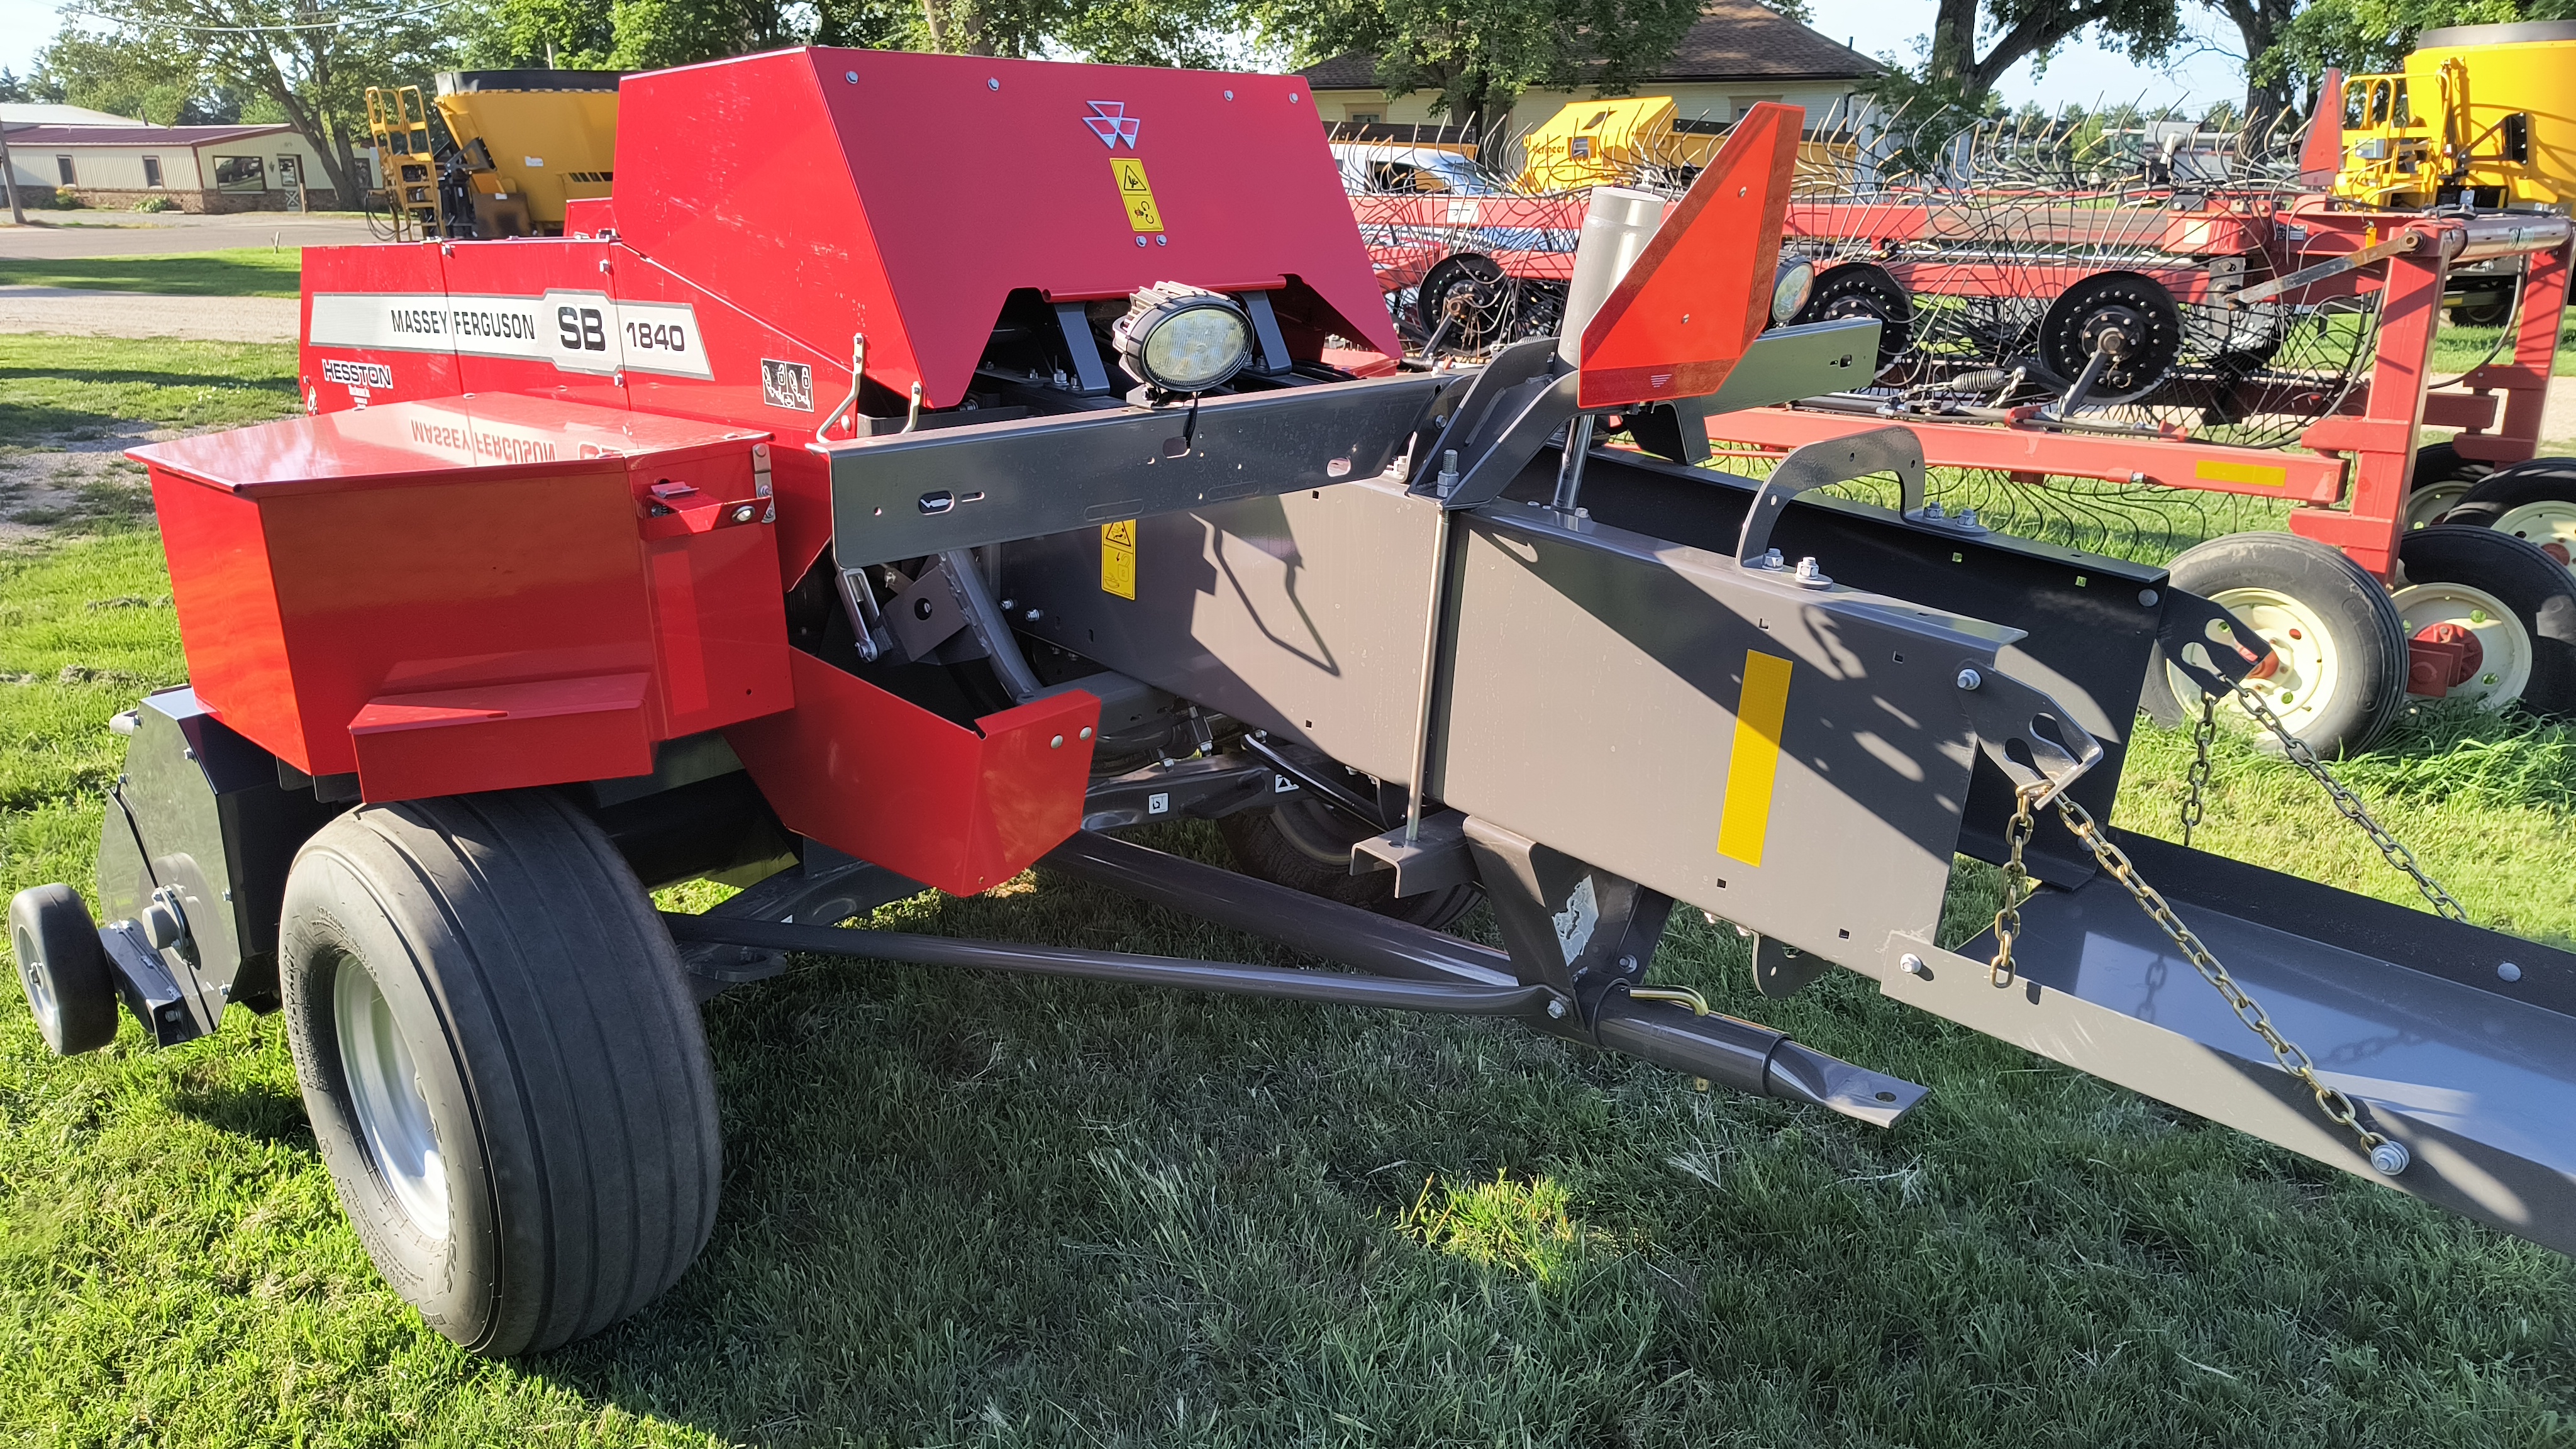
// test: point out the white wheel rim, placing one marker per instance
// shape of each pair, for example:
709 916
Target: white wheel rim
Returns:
2551 520
40 989
2426 505
2506 669
2310 670
384 1094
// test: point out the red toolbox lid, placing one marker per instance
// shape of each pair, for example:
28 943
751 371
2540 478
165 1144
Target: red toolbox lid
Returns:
394 443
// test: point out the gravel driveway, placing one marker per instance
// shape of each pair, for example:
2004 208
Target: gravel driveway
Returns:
81 313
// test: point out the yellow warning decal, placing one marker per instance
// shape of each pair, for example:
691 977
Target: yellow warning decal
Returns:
1745 820
2256 475
1118 559
1135 194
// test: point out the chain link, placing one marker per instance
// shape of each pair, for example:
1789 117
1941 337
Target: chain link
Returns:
2017 887
2115 862
2203 732
2345 802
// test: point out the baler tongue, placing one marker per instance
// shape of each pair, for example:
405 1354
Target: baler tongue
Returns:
2456 1042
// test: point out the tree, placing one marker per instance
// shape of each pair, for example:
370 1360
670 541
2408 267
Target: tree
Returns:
2372 37
2259 24
311 61
158 82
644 34
1481 54
2018 29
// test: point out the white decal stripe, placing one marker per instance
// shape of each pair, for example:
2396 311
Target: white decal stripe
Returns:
576 331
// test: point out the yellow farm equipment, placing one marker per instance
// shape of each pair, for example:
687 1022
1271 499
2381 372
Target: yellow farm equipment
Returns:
2484 116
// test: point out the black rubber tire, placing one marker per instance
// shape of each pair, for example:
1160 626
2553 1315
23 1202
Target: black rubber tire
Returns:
1863 289
2489 312
63 969
1305 846
555 1043
2537 480
2353 606
2529 582
2438 464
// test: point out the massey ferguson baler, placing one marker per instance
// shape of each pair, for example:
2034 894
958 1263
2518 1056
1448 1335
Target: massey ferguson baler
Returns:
809 520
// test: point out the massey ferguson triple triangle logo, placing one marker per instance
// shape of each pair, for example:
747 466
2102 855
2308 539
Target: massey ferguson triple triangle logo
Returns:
1111 123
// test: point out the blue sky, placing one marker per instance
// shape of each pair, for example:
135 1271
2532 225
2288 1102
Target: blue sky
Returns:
2085 74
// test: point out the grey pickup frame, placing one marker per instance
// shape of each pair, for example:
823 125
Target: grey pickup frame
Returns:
910 494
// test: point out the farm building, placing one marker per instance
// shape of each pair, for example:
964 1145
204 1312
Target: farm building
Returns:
198 168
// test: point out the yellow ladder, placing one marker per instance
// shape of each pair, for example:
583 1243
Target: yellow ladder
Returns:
399 122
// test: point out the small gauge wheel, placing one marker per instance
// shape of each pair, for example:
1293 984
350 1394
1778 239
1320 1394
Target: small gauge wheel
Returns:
1470 293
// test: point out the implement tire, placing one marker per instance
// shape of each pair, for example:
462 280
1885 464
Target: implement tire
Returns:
63 969
2516 600
503 1064
2342 676
2534 500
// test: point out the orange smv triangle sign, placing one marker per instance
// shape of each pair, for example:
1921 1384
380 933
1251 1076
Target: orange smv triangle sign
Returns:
1676 325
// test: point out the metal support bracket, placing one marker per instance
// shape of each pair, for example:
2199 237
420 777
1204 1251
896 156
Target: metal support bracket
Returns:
144 983
1566 923
1509 412
2028 736
1823 464
2212 647
1184 789
1436 859
1782 970
829 887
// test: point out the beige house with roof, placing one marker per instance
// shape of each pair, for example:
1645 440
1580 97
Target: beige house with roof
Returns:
198 168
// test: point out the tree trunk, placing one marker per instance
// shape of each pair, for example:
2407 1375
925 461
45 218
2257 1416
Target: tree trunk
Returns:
2259 23
1954 42
930 19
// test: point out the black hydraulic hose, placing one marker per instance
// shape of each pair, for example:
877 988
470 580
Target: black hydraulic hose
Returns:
1119 966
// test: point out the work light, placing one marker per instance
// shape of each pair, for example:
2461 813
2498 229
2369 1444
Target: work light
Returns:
1790 286
1183 339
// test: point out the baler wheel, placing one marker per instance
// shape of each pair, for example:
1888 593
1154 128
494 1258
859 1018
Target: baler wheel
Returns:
2535 500
63 969
504 1067
1862 289
2340 671
1306 846
2517 601
2440 480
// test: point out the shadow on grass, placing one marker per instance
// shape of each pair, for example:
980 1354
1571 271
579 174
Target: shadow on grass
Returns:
179 276
261 1111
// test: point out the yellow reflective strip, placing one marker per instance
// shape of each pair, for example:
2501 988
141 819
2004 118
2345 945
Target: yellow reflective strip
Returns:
2256 474
1745 820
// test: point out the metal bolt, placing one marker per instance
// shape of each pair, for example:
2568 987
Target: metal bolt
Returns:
744 513
1140 241
1910 964
1033 615
1162 241
2507 971
1057 743
1933 512
1967 518
2147 598
993 84
1970 679
2390 1158
1086 732
1229 95
1771 559
1627 963
1556 1009
851 76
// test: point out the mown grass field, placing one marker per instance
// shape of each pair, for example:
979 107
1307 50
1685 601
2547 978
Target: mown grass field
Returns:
965 1209
240 272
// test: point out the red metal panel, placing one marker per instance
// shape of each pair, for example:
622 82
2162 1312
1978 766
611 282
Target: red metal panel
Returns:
962 809
1699 293
805 198
502 737
338 376
321 565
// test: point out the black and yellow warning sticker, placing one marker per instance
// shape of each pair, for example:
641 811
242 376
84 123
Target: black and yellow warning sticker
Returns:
1118 558
1135 193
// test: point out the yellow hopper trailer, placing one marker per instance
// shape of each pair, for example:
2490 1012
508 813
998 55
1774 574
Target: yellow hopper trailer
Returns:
2484 116
1614 142
527 141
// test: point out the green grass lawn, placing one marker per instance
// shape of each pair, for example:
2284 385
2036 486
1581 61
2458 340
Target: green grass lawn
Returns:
65 389
965 1208
240 272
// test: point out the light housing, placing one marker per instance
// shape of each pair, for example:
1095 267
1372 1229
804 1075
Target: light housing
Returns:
1791 285
1183 339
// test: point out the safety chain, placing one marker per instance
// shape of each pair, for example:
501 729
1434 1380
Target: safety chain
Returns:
2203 732
2385 1155
2345 801
1999 971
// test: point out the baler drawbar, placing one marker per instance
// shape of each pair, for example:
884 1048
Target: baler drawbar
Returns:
802 521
